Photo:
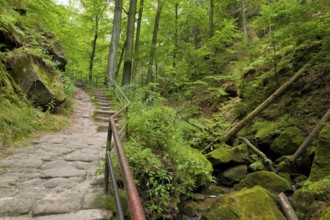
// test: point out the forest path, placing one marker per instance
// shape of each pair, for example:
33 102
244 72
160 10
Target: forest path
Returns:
53 178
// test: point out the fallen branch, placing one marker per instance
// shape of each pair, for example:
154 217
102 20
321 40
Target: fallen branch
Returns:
303 147
236 128
264 158
286 207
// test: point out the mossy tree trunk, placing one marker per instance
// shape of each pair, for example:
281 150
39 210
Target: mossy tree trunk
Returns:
127 72
137 40
303 147
96 35
152 55
116 28
237 127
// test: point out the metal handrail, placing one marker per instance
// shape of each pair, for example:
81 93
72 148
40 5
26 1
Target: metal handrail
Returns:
134 202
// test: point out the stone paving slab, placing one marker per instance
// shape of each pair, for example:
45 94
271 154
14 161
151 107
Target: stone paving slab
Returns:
50 178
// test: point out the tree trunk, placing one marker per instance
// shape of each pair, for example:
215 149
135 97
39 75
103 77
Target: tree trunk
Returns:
237 127
301 150
266 161
91 61
153 43
120 59
176 36
127 72
244 20
137 40
116 29
286 207
211 19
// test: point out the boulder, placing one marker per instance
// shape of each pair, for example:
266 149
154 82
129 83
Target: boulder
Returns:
255 203
39 82
321 162
8 40
288 141
56 51
301 200
266 179
257 166
226 154
233 175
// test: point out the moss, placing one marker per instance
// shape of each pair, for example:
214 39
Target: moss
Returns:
228 154
265 133
288 141
233 175
301 200
325 214
257 166
321 163
255 203
266 179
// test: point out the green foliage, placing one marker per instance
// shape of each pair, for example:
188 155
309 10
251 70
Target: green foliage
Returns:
18 120
164 165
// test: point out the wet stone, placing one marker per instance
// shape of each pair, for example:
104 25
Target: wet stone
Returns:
31 163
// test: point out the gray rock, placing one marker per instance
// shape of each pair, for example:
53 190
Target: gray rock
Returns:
8 181
31 163
61 206
81 156
64 172
14 207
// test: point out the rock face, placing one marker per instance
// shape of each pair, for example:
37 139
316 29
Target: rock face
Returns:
39 83
288 141
233 175
255 203
226 154
321 163
57 53
266 179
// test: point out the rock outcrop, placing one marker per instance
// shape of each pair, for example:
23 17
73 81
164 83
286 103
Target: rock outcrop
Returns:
254 203
40 83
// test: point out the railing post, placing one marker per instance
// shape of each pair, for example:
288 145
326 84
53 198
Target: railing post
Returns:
106 166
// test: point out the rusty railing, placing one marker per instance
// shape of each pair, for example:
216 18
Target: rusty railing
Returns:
134 202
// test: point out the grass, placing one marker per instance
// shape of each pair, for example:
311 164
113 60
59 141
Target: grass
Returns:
20 121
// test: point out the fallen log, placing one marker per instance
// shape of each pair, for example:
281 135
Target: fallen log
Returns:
286 207
303 147
236 128
268 162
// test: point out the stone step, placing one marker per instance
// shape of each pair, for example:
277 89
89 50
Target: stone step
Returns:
105 119
103 113
104 104
99 98
105 108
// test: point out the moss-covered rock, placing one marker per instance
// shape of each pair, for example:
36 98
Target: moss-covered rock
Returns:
227 154
40 83
257 166
233 175
288 141
194 209
255 203
321 163
213 189
301 200
266 179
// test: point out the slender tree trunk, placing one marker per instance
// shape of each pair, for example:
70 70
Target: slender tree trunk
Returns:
286 207
91 61
116 29
137 40
153 43
244 20
120 59
127 72
237 127
176 36
211 19
303 147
